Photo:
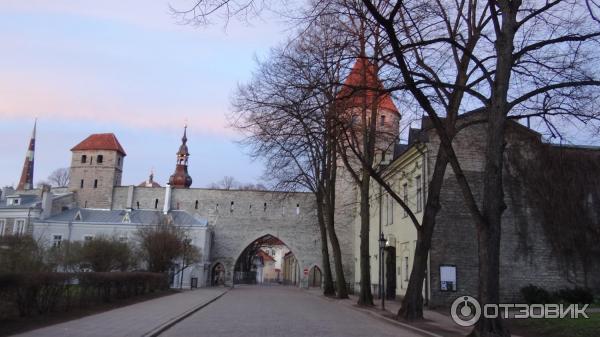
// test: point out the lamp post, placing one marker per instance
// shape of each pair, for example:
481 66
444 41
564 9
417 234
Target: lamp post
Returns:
382 242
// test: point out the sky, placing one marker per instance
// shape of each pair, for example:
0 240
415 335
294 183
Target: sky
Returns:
129 68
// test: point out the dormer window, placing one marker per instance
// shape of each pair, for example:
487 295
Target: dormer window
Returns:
83 159
16 201
99 159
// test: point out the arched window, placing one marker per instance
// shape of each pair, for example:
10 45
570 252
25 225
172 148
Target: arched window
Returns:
231 208
297 209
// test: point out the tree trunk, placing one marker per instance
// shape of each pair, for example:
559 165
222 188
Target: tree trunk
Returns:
365 297
493 195
340 279
328 289
412 303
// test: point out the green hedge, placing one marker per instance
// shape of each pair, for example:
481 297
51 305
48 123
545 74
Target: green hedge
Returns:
39 293
534 294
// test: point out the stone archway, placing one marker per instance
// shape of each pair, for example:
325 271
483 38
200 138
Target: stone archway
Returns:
263 261
217 275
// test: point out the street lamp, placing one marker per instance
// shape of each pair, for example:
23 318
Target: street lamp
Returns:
382 241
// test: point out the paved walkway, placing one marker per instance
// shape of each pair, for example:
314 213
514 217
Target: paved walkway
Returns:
282 311
435 323
136 320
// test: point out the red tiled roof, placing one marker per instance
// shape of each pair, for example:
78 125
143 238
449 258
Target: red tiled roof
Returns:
100 141
364 75
266 257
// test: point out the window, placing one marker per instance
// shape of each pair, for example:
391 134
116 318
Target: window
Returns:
156 204
100 159
81 184
231 208
265 207
119 161
56 241
389 210
19 227
382 120
16 201
406 272
196 205
83 159
137 203
419 194
405 197
95 183
2 225
123 238
447 278
87 238
297 209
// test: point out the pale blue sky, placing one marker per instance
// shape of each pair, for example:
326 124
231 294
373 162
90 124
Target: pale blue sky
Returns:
126 67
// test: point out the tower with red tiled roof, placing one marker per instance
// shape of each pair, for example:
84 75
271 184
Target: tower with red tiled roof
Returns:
363 90
96 168
180 178
26 181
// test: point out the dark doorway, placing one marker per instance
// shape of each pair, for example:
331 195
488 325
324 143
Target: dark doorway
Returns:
218 275
314 277
390 273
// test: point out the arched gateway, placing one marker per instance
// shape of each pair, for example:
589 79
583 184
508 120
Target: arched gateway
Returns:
239 217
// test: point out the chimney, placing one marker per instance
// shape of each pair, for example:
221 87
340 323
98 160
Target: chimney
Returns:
46 202
167 205
129 204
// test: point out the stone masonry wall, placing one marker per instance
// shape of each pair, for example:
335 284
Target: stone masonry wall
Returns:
240 217
526 257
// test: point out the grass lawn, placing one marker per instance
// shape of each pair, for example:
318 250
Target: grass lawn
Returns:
566 327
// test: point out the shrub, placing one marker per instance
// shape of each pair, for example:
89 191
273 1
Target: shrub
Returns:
534 294
44 292
575 295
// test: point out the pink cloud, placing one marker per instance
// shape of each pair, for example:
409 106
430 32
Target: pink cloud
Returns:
23 97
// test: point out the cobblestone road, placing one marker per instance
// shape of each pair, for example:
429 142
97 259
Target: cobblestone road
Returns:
281 311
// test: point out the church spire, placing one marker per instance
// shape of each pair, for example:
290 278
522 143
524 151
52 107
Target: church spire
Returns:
181 178
26 181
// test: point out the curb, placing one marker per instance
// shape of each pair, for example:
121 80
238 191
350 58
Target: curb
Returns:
167 325
379 316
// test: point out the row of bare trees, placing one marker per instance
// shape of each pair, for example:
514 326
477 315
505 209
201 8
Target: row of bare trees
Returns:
158 248
504 60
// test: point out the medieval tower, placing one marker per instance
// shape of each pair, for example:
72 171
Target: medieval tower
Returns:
363 91
96 168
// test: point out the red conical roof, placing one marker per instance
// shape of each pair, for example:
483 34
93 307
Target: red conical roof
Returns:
362 76
100 141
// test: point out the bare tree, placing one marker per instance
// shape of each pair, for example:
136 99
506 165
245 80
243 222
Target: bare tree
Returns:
161 244
104 254
285 112
533 61
60 177
227 183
